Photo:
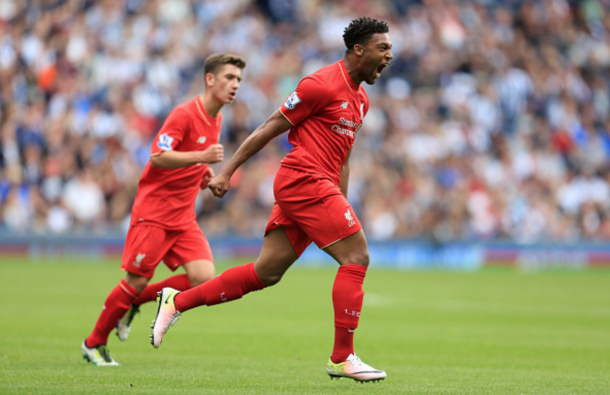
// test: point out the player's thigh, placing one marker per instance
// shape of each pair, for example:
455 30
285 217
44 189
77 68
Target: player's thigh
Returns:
320 209
189 245
144 247
352 250
296 236
276 256
199 271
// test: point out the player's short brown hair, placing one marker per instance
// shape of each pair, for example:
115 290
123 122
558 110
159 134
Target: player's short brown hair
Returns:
214 62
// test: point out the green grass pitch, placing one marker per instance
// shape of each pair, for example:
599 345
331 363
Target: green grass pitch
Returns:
487 332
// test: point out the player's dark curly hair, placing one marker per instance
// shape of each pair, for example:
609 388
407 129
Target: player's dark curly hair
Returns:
361 30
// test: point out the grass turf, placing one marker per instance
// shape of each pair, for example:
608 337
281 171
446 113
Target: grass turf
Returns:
488 332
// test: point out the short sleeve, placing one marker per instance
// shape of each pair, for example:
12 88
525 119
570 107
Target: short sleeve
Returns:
172 132
309 97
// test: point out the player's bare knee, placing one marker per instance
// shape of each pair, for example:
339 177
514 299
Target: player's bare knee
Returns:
271 269
271 279
361 258
200 279
199 271
136 281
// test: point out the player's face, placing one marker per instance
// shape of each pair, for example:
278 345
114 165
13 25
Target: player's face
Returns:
376 57
225 83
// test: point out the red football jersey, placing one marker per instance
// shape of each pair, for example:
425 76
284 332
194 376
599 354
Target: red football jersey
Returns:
166 197
326 109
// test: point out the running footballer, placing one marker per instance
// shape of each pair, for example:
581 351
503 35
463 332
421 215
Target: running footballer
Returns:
163 225
324 115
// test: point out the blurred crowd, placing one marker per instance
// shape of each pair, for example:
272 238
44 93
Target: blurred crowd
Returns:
491 122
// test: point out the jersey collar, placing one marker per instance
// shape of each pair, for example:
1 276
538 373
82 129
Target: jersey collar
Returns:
348 78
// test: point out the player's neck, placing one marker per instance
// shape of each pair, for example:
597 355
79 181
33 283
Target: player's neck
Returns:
352 69
210 105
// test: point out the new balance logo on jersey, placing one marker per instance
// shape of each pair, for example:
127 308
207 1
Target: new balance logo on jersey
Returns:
165 142
201 140
349 218
344 104
292 101
139 259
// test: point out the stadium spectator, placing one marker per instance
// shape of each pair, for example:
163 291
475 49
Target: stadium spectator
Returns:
503 103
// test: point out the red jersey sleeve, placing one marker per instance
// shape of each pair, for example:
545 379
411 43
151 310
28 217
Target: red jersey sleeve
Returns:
310 96
172 132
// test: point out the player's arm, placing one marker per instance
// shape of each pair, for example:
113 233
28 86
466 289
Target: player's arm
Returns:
275 125
176 159
164 151
344 174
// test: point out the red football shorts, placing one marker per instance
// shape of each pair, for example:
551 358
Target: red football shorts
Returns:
310 209
147 245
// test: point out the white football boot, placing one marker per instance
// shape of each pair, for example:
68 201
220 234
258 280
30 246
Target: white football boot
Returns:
354 369
124 326
99 356
167 315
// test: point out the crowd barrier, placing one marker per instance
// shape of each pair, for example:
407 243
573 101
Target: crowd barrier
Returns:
397 254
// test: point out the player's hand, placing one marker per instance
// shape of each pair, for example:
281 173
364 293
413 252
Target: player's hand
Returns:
207 177
213 154
220 185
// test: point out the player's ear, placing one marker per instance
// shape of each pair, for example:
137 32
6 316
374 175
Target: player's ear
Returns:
209 79
358 49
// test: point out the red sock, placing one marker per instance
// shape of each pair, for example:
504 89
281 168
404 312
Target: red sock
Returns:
180 282
230 285
347 301
115 307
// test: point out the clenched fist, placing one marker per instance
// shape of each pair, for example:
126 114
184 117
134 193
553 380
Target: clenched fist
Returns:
207 176
220 185
213 154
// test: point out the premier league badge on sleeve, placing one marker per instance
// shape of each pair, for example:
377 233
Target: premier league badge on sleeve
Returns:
165 142
292 101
